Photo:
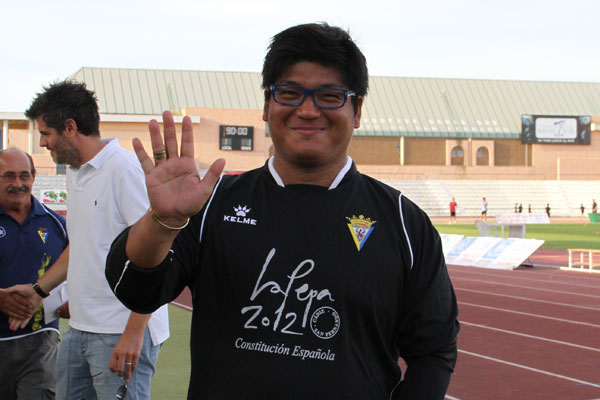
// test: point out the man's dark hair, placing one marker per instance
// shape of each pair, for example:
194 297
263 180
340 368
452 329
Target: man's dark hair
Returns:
67 100
327 45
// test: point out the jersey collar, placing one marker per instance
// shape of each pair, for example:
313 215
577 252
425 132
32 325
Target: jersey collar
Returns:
336 182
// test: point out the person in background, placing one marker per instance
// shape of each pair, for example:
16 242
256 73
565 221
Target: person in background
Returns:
105 341
582 210
32 237
548 209
453 206
594 206
484 209
332 275
529 208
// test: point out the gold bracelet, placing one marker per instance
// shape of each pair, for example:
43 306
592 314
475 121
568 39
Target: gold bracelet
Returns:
170 228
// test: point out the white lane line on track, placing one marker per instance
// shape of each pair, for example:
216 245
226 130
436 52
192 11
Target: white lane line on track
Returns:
531 336
527 287
459 275
527 299
182 305
525 277
530 314
451 397
530 368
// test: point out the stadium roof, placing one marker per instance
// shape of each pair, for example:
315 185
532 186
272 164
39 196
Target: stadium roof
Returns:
395 106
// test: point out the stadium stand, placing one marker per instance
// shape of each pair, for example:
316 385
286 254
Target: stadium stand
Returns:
564 197
433 196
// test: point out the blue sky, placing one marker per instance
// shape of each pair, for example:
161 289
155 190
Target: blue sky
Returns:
45 41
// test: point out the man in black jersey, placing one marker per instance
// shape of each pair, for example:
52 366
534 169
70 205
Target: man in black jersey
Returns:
309 279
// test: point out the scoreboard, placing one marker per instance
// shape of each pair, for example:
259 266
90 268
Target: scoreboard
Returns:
236 137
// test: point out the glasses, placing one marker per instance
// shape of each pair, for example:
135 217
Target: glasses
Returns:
328 98
11 176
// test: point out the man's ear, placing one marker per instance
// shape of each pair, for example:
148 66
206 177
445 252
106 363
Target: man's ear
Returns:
70 127
265 116
358 113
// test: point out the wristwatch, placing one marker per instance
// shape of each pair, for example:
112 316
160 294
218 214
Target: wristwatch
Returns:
39 290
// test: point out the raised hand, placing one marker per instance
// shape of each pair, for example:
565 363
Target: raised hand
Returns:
175 189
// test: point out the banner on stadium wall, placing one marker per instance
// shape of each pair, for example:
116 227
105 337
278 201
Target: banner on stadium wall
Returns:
556 129
492 252
522 218
56 199
53 196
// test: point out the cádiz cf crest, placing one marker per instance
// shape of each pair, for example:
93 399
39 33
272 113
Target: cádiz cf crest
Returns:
360 229
43 232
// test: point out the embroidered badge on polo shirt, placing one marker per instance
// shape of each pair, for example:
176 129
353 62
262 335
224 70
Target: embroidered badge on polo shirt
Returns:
43 233
360 229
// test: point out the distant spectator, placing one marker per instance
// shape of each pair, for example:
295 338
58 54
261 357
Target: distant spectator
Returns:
516 208
484 209
529 208
453 206
548 210
594 206
582 210
520 208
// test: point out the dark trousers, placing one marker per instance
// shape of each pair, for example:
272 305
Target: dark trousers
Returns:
28 367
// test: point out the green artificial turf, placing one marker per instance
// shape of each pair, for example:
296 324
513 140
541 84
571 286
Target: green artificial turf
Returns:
556 236
172 376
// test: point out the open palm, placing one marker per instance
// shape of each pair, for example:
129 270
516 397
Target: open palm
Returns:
175 189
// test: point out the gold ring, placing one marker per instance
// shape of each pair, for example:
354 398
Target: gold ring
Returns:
160 155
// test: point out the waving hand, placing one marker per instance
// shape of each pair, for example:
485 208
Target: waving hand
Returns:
175 188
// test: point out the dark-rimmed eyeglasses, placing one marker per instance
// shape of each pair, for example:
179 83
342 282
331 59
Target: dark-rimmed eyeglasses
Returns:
293 95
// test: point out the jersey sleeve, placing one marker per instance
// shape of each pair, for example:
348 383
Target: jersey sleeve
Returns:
144 290
428 327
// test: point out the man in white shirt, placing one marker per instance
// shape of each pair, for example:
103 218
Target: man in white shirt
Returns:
107 193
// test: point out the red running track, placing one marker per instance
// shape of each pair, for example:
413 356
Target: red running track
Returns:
530 333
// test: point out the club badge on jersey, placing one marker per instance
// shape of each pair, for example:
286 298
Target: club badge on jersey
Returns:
43 233
360 229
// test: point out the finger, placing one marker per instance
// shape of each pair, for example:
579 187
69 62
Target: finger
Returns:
22 304
127 369
20 314
140 152
12 323
134 363
187 138
20 309
113 363
170 134
156 138
24 323
214 173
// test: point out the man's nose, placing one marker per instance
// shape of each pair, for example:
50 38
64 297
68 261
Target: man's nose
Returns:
308 108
